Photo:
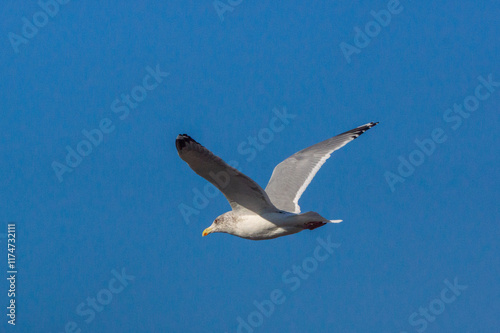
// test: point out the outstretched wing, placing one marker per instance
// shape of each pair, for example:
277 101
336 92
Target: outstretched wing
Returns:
291 177
240 190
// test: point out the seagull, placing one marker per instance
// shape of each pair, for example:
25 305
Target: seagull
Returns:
259 214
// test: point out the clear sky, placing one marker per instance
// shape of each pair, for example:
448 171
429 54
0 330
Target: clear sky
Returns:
111 241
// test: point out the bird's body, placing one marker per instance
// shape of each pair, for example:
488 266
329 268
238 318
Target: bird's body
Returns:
258 227
270 225
259 214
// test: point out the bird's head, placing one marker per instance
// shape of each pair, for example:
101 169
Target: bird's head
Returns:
220 224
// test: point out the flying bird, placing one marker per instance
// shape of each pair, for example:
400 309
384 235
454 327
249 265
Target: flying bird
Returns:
259 214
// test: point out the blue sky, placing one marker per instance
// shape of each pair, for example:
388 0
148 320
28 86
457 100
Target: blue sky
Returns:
103 243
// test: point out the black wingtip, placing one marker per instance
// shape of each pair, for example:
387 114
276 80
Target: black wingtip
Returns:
360 130
182 140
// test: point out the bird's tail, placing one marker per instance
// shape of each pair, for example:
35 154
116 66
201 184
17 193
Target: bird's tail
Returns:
335 221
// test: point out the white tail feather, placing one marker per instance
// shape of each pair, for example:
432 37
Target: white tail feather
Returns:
335 221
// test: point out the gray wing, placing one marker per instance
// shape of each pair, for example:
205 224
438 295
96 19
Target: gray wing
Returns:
240 190
291 177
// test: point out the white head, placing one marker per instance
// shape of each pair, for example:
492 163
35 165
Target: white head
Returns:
222 223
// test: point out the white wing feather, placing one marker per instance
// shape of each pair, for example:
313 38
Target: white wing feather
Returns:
291 177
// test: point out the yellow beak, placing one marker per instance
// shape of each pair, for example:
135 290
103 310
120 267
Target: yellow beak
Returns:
207 231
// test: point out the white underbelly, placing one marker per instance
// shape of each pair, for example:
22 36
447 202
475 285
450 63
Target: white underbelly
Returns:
256 227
